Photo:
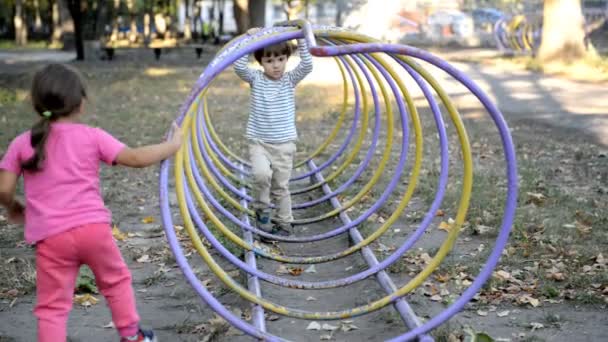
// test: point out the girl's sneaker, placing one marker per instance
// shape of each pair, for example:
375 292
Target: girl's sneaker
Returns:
142 336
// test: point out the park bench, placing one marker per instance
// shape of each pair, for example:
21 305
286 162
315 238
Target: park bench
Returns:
157 46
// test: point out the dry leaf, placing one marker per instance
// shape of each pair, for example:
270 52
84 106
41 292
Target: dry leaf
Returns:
149 219
311 298
325 337
444 226
144 258
328 327
313 326
311 269
295 271
118 235
536 326
85 300
482 313
109 326
436 298
502 313
502 275
440 213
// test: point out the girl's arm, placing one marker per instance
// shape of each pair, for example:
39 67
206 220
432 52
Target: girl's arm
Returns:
305 66
8 184
149 155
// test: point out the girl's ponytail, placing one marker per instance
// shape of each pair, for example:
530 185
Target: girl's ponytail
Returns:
57 92
39 133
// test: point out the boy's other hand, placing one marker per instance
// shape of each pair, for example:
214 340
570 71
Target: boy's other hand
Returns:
16 213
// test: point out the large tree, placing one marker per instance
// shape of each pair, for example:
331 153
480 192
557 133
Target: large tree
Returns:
20 23
563 37
241 15
257 13
75 8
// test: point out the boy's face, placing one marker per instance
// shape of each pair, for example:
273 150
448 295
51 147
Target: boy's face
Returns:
274 66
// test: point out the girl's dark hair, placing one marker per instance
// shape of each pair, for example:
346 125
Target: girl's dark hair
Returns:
57 91
283 48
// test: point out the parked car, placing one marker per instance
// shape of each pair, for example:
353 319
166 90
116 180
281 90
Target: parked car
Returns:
485 18
450 25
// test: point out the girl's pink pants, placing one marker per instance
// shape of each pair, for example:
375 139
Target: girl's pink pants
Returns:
58 260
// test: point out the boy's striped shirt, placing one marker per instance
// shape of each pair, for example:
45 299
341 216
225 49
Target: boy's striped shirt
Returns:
272 103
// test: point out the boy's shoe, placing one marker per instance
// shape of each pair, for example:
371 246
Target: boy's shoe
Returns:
262 219
142 336
280 229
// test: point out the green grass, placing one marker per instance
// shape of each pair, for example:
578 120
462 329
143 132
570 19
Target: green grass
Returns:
35 44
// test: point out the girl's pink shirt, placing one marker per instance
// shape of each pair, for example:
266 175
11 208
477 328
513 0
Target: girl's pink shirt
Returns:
65 193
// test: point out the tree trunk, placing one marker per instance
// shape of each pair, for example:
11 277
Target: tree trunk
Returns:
563 37
339 11
257 13
20 25
76 12
188 22
241 15
222 5
37 20
57 31
67 25
114 35
102 17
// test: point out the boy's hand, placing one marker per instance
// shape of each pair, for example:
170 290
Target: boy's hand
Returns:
16 213
177 137
253 31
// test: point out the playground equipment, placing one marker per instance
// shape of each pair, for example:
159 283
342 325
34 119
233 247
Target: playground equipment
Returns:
518 34
521 34
208 176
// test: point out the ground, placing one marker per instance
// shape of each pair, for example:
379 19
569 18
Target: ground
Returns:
551 284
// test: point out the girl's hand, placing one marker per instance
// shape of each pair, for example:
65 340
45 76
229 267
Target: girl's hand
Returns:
16 213
177 137
253 31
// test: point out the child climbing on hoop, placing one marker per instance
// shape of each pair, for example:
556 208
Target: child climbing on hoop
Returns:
64 214
271 129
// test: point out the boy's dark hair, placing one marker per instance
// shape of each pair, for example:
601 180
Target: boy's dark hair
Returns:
282 48
57 91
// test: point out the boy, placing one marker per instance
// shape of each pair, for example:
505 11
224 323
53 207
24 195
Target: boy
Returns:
271 129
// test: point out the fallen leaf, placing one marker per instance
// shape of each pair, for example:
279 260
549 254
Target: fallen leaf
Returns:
273 318
346 327
439 213
328 327
118 235
295 271
149 219
502 313
444 226
311 298
536 198
313 326
311 269
85 300
482 313
144 258
436 298
502 275
109 325
536 326
325 337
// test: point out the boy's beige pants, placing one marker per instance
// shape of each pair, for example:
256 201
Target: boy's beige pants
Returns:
271 169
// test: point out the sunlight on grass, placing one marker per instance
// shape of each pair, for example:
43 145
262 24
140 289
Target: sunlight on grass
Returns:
159 72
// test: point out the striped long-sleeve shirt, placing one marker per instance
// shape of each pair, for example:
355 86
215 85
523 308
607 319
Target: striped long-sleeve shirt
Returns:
272 104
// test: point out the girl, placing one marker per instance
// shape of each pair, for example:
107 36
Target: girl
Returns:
64 214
